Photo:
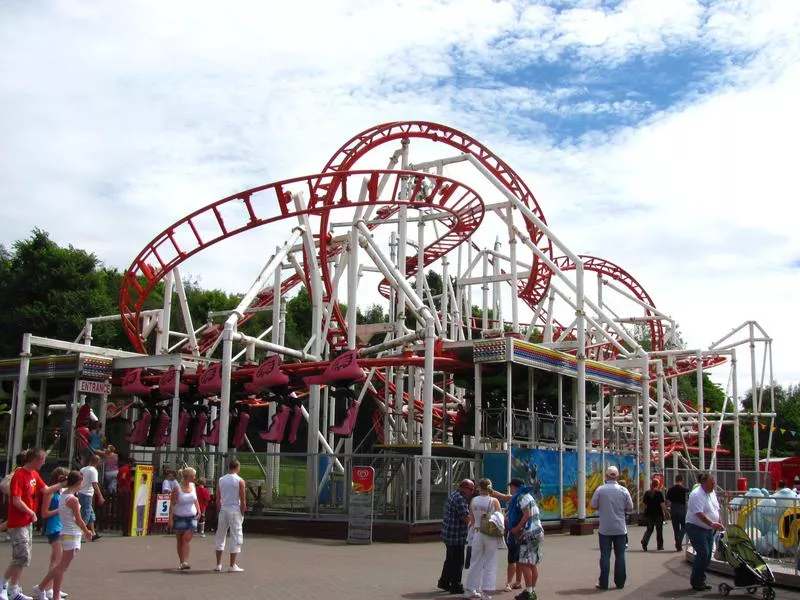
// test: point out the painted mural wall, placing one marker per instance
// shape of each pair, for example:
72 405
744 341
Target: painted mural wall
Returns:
540 469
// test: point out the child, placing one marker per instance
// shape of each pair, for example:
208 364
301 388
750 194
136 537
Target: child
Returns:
52 522
170 483
72 525
203 498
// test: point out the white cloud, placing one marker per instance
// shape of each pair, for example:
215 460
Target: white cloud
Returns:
132 115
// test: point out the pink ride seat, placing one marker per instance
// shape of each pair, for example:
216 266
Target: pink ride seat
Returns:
210 381
183 427
297 418
268 375
241 430
213 435
343 368
278 426
199 430
132 383
161 434
345 428
140 429
166 384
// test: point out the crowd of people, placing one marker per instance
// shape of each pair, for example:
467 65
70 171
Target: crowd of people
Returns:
66 508
474 528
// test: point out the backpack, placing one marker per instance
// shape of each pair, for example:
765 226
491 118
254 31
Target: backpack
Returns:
489 527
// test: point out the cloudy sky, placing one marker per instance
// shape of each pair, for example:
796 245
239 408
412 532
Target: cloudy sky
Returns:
658 134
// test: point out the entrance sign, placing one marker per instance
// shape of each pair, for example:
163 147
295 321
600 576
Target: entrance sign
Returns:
359 524
162 508
87 386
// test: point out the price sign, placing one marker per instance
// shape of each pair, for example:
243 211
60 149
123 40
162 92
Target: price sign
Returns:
162 508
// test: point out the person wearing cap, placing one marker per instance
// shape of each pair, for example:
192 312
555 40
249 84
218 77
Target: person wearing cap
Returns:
612 501
454 535
797 483
524 534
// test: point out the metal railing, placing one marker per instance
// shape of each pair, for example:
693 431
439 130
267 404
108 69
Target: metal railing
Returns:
773 524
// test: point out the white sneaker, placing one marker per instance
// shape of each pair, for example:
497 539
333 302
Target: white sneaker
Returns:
39 594
471 594
3 594
235 569
218 568
19 596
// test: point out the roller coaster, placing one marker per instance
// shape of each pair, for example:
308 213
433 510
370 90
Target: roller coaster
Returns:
354 233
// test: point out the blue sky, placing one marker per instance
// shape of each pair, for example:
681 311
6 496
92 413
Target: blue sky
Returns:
659 135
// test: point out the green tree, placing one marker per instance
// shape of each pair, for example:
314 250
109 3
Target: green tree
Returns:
48 290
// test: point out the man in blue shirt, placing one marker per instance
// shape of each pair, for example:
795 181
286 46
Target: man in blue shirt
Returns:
454 536
612 501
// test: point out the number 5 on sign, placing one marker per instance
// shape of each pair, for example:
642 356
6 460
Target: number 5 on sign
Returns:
162 508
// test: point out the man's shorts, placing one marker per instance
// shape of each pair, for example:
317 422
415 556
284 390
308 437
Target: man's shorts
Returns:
513 549
20 538
530 550
87 512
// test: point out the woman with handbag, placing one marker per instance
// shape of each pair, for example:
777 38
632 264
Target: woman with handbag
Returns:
487 537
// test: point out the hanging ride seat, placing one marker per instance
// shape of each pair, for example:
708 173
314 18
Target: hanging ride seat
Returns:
268 375
348 424
183 427
342 370
213 436
241 430
297 418
132 383
166 384
161 433
140 429
278 426
210 380
199 430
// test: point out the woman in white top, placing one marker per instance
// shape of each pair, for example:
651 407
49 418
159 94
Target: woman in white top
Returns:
72 525
183 512
482 574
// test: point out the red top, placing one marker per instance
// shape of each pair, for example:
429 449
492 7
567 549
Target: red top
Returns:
203 497
83 414
27 485
82 437
124 478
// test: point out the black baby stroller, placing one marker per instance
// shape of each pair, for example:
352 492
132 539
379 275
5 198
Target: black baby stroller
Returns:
750 571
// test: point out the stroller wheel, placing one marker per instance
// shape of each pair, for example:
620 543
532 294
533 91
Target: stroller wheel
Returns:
769 593
724 589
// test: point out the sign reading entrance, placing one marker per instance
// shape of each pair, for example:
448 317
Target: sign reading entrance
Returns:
359 524
87 386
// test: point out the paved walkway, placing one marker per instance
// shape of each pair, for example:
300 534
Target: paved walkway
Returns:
290 568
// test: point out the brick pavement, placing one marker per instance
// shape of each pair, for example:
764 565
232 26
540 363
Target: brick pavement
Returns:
120 568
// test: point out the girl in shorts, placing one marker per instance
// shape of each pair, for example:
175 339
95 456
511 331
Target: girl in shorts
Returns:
72 525
52 522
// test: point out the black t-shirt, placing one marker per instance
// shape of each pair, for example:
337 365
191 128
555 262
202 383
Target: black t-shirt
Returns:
652 501
677 494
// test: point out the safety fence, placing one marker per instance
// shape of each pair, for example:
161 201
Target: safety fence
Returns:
771 522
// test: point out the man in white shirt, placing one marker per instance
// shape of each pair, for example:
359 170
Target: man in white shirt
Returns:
231 506
612 501
702 521
87 492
